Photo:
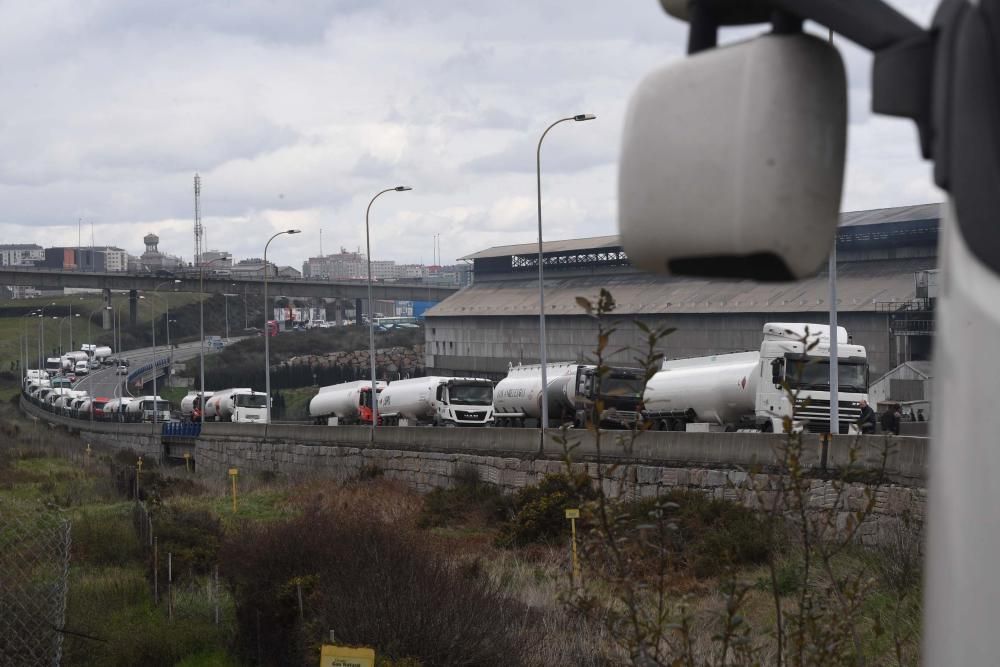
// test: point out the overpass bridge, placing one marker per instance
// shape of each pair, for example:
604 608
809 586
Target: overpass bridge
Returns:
356 290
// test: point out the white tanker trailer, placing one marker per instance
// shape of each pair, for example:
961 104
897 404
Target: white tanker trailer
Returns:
190 405
242 404
572 390
101 353
746 389
441 401
344 403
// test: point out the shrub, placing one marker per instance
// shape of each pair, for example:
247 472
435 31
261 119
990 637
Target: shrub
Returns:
377 585
104 539
709 535
192 536
539 512
469 498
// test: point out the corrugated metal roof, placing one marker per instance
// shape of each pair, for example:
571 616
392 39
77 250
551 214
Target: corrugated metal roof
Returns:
859 286
850 219
589 243
880 216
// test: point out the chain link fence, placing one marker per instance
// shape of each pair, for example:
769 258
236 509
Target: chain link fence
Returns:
34 580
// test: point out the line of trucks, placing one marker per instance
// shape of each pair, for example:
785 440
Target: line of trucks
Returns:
81 361
738 391
742 390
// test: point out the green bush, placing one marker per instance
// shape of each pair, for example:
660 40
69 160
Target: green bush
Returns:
192 536
378 585
104 539
539 512
709 535
468 498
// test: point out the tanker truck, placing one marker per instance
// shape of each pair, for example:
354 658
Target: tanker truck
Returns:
572 391
345 403
242 405
148 408
440 401
745 390
191 405
101 353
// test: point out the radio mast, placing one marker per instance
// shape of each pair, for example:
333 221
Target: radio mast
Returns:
198 230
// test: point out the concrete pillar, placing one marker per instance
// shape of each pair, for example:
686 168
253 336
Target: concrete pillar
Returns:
338 312
133 307
357 314
106 319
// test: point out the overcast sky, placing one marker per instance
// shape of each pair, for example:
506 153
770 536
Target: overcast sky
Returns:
296 113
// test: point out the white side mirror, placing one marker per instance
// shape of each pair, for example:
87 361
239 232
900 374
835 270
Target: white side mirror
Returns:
732 162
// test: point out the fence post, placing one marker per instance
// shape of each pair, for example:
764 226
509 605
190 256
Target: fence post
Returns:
170 587
156 571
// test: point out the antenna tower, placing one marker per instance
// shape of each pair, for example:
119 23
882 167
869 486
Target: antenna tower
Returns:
198 230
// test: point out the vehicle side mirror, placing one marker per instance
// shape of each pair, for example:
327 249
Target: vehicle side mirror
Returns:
732 161
777 371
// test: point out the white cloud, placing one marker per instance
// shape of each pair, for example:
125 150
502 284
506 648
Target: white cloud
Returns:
295 114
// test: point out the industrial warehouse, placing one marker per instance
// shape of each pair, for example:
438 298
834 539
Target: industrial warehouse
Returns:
886 286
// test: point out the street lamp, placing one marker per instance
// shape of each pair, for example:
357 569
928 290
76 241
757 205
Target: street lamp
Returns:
201 328
62 321
152 325
226 296
41 336
371 304
267 332
543 358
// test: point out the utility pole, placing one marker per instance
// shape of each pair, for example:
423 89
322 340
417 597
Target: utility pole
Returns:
198 230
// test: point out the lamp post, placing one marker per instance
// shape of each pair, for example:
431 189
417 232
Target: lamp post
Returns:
267 332
543 357
152 324
62 321
371 304
201 330
226 296
41 336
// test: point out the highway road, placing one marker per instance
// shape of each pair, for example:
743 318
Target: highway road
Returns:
104 381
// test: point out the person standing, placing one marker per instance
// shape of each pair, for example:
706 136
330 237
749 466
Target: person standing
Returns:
867 419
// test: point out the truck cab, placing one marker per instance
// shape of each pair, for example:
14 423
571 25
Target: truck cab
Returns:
620 390
802 365
464 402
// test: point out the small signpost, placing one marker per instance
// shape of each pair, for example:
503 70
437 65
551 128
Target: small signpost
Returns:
233 473
138 473
573 515
345 656
187 461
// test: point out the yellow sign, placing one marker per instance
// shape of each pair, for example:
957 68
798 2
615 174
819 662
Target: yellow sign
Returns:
344 656
572 514
233 472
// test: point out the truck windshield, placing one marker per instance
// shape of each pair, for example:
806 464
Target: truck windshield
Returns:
852 377
251 401
470 394
618 386
161 406
364 398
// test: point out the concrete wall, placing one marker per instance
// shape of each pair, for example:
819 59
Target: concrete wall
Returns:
486 345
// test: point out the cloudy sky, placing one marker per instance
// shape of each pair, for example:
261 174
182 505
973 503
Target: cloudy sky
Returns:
295 113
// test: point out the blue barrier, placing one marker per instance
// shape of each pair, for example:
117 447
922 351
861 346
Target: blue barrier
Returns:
181 430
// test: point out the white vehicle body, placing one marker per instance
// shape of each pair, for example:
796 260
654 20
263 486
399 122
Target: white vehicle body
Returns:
56 396
115 405
65 402
571 393
744 389
101 353
82 367
316 324
151 408
88 348
442 401
240 404
347 402
187 403
53 365
34 376
519 395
